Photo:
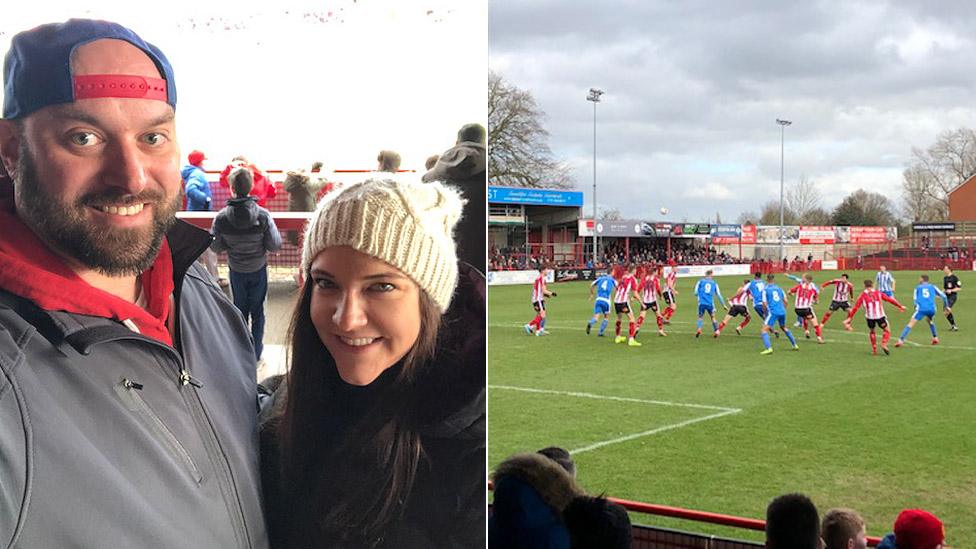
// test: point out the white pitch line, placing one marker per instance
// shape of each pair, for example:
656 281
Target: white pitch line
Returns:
651 432
853 333
616 398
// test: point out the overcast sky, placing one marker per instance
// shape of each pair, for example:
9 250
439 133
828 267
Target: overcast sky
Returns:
294 81
693 89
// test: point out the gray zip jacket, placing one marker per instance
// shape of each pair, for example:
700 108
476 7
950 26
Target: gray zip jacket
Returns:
247 232
112 439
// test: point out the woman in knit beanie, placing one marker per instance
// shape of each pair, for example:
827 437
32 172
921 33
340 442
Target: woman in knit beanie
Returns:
377 436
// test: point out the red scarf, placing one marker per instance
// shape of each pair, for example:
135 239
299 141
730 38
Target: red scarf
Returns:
29 269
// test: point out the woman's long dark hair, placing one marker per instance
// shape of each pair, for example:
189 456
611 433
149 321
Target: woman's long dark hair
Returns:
353 492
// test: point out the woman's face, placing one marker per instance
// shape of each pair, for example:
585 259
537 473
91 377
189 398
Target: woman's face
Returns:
366 312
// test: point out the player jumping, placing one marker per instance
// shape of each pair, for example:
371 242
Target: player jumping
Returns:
806 294
621 304
924 299
706 289
670 292
774 303
649 289
874 314
739 304
539 294
843 289
603 287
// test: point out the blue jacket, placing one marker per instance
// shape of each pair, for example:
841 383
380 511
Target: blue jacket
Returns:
531 492
888 542
197 189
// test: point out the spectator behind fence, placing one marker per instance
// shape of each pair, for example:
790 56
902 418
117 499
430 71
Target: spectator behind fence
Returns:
388 161
538 504
303 190
199 199
915 529
463 166
248 233
128 389
843 529
377 438
792 523
262 189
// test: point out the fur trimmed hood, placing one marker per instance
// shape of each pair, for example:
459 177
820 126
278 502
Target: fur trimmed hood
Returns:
553 484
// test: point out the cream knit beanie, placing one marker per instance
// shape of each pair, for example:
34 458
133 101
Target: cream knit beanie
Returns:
405 223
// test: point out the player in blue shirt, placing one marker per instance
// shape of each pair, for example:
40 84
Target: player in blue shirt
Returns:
756 287
925 294
706 289
603 287
774 302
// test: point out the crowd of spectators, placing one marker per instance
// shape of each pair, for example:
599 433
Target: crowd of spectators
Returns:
613 253
538 503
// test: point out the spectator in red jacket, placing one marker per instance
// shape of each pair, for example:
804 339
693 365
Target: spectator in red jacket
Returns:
263 189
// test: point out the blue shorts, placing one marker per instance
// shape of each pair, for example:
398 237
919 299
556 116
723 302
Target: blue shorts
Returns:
772 319
919 315
888 293
760 311
703 308
601 307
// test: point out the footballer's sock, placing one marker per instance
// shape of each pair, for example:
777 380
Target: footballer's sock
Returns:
699 324
668 312
618 328
885 337
640 321
874 342
765 338
542 323
714 326
789 335
904 333
819 330
535 322
826 316
952 319
660 323
805 326
631 326
591 322
745 322
603 326
932 328
721 325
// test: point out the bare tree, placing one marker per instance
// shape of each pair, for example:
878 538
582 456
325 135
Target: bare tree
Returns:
610 214
518 149
936 171
804 200
769 214
865 208
747 218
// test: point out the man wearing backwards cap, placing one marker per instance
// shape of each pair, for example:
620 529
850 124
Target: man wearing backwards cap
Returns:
127 392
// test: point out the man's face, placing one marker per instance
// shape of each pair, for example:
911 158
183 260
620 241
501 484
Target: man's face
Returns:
98 180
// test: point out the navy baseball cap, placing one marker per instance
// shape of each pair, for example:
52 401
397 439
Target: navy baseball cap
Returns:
37 69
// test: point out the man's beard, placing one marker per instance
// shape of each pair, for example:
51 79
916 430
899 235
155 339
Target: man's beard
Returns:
65 227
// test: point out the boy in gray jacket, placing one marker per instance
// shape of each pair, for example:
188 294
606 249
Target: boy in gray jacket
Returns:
248 233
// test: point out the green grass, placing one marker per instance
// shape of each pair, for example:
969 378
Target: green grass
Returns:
876 433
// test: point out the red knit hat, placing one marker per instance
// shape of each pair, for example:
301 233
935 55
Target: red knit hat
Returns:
917 529
196 157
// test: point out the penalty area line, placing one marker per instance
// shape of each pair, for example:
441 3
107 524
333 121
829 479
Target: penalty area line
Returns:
642 434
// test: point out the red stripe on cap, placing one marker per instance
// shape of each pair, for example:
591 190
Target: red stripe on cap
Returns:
90 86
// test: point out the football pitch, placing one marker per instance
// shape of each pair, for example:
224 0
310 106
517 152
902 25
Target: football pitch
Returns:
709 424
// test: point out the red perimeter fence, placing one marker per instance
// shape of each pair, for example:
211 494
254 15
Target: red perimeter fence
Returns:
666 538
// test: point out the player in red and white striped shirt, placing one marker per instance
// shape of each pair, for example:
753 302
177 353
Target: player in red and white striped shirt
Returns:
650 289
621 304
806 295
669 293
843 290
539 294
872 300
739 306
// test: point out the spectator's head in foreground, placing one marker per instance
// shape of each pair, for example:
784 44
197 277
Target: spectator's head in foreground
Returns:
562 457
918 529
843 529
792 523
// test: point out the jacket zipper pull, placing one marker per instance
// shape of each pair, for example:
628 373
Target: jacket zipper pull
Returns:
186 378
131 384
